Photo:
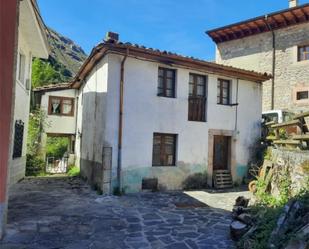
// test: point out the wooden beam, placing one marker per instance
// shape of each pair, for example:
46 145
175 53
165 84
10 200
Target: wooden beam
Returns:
233 33
305 14
274 21
295 16
286 21
285 124
257 26
301 137
301 115
290 142
249 28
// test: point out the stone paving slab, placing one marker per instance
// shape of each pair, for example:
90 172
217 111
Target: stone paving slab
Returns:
65 213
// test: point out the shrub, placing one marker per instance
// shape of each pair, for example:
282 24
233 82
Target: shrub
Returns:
195 181
34 165
74 171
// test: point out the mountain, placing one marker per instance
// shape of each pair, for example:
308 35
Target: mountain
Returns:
65 51
64 61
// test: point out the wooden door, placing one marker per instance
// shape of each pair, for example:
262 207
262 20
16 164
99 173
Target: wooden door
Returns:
221 153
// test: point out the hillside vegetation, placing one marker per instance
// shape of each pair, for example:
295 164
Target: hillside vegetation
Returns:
64 61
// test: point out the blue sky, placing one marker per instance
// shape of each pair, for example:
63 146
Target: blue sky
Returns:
174 25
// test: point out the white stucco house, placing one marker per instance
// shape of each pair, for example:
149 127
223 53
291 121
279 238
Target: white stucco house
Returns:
32 42
148 114
58 101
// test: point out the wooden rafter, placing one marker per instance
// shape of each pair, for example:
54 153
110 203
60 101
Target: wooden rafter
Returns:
295 17
277 20
285 20
248 28
305 14
257 26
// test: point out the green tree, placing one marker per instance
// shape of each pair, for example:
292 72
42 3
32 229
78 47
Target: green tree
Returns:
37 123
48 71
56 146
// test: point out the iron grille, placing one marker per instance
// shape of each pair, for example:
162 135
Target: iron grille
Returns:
18 138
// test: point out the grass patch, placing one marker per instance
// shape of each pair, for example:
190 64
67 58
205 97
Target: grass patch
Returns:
74 171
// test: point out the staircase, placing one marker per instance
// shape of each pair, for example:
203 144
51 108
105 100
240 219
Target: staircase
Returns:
222 179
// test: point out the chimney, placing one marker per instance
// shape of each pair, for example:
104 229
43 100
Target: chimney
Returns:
111 37
293 3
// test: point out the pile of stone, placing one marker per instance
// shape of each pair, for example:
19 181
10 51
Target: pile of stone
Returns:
294 219
242 221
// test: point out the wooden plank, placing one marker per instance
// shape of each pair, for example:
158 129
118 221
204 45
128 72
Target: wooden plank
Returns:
222 171
294 142
270 123
270 138
301 137
301 115
289 123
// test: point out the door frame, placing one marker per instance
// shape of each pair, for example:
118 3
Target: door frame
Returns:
231 156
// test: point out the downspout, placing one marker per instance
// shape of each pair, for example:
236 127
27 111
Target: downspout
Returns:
273 62
236 110
121 95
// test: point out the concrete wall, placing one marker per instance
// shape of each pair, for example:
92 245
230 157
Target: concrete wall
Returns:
146 113
255 53
59 124
22 106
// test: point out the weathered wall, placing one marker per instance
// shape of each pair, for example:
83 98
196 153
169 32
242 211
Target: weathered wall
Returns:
255 53
60 124
30 43
91 124
297 165
21 111
146 113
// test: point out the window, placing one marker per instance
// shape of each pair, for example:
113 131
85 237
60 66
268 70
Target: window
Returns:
18 138
270 117
166 82
164 149
302 95
21 68
197 98
303 53
223 92
61 106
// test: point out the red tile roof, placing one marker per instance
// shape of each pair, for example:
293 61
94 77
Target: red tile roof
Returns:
165 57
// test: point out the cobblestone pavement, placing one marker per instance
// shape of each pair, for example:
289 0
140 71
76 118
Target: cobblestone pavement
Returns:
66 213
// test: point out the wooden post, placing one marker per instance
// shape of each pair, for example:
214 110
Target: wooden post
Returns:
8 39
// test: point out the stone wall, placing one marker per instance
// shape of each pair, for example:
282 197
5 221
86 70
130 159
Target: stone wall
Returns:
295 163
255 53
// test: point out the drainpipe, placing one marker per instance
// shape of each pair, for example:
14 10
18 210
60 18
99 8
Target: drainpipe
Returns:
236 110
120 120
273 62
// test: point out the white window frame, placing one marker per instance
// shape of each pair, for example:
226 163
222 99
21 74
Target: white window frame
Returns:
21 80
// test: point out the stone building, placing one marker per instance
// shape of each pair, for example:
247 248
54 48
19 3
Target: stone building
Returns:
147 115
277 43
